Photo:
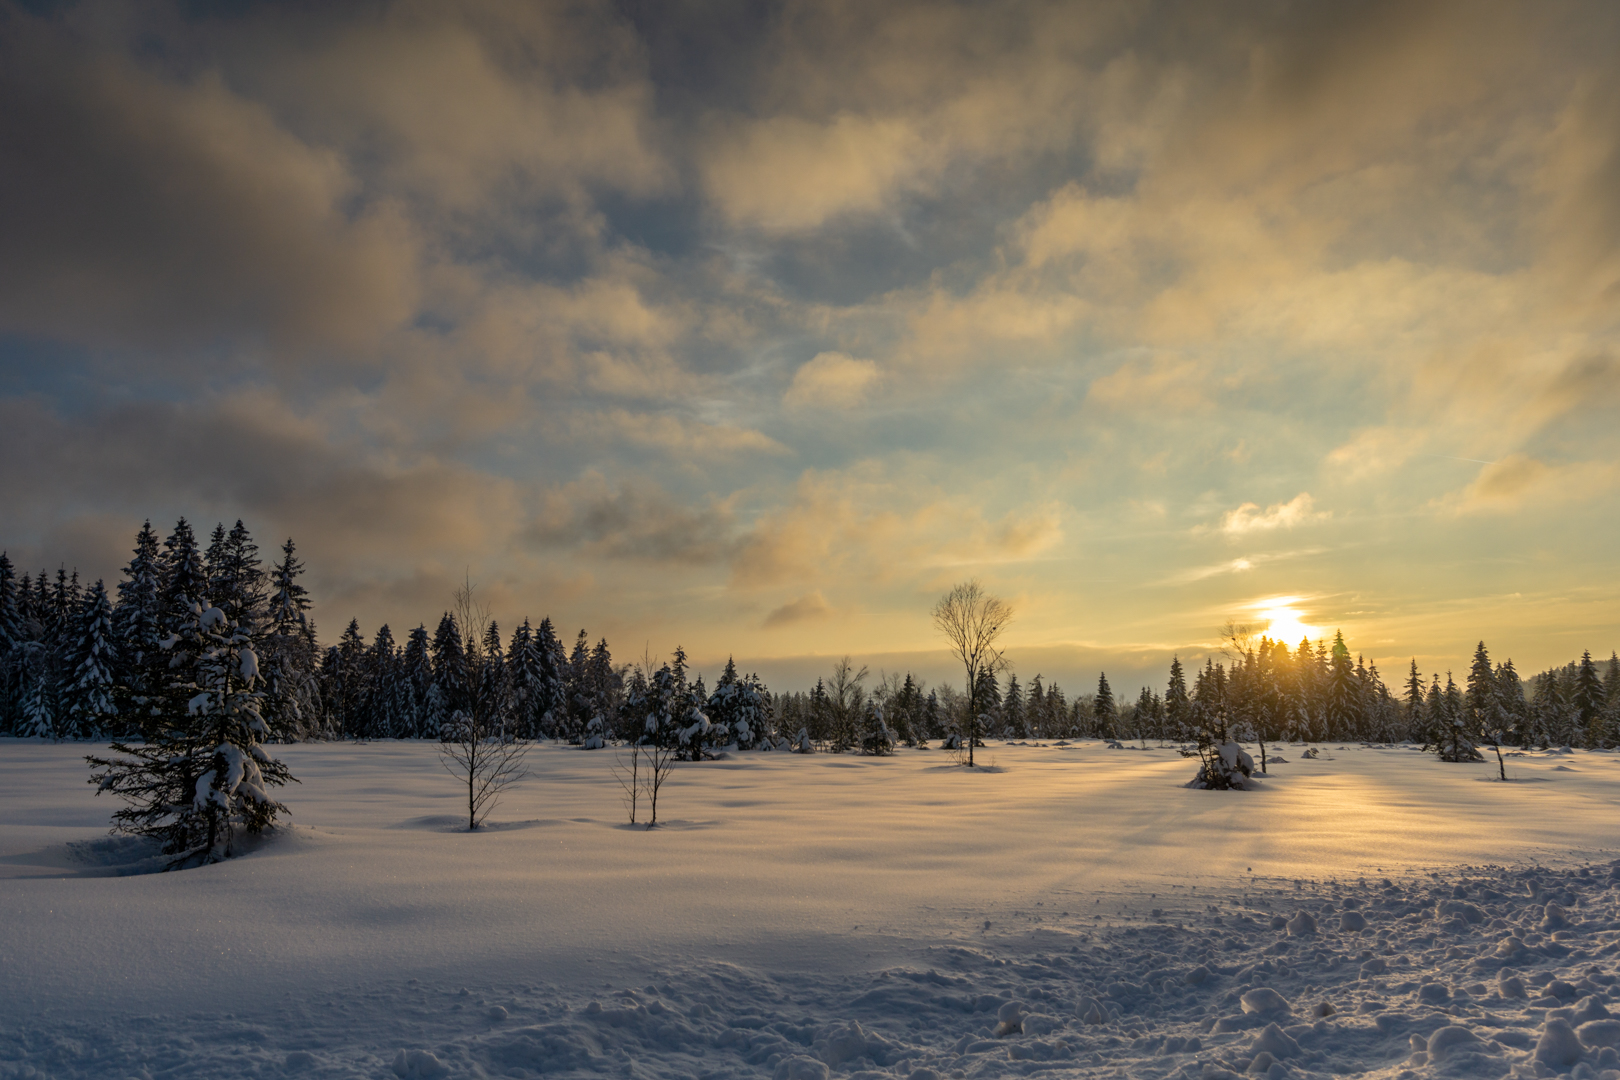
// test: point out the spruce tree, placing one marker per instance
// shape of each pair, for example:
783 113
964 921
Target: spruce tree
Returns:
135 627
1551 711
1456 741
416 685
1588 701
523 663
10 645
551 703
1611 682
1176 702
203 774
1343 701
88 701
288 655
581 703
1483 711
606 690
236 579
448 694
1105 713
1417 727
1014 717
490 682
986 699
381 707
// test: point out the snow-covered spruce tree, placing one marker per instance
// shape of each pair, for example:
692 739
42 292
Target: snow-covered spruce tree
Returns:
691 724
88 705
1223 764
607 692
202 776
1455 741
738 710
876 738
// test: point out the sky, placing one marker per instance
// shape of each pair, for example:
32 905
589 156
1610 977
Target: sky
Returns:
755 327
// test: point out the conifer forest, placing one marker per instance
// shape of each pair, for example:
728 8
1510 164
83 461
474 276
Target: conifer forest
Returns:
87 662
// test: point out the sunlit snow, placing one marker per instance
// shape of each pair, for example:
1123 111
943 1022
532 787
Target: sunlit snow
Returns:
1071 910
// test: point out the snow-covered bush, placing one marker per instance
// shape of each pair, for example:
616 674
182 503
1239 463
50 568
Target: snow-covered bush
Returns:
1455 745
1225 766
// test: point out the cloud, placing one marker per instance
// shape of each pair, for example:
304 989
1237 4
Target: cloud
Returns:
865 526
354 512
807 607
635 521
1237 566
1519 480
1156 383
831 378
678 435
1249 518
786 174
153 212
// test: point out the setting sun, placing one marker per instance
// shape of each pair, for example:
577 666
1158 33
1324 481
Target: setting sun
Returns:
1283 622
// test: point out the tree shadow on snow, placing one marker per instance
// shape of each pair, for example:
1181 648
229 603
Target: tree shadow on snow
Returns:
450 823
673 824
116 856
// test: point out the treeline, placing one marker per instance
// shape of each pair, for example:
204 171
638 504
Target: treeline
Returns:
88 663
83 663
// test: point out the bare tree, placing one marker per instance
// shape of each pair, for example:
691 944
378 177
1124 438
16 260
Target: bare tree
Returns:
660 764
971 620
846 697
479 751
1239 639
627 771
487 761
472 614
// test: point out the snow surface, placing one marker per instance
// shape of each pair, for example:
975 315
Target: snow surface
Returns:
1071 910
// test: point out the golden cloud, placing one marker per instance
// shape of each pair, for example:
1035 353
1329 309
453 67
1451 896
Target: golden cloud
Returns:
831 378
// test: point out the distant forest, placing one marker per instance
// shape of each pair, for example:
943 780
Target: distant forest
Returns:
86 663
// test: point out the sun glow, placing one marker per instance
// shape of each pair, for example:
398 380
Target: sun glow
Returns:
1284 622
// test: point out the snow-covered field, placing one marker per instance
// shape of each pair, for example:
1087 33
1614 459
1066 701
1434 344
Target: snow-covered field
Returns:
1071 910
